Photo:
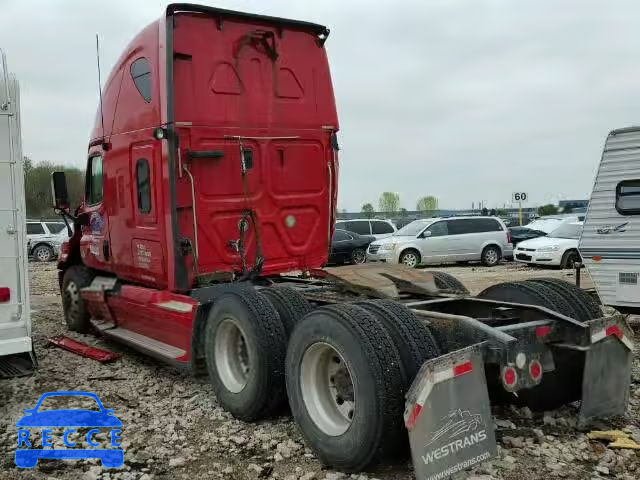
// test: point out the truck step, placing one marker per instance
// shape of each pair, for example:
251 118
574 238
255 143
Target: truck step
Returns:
154 348
15 366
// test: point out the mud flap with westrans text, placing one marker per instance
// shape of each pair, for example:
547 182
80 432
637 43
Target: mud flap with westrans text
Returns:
448 415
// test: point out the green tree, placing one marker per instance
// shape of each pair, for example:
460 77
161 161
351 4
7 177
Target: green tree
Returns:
427 204
367 210
389 202
549 209
37 186
403 212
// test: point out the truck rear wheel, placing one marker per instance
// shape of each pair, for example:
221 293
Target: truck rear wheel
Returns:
289 303
446 281
530 293
585 303
245 348
414 340
345 388
76 315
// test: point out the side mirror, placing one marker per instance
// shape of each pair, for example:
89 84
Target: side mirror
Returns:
59 191
425 234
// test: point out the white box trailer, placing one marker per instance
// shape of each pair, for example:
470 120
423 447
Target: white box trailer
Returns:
610 242
16 350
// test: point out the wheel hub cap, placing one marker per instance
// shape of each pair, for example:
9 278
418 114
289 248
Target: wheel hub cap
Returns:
232 355
327 389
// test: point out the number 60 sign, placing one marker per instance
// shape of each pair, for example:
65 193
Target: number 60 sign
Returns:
519 196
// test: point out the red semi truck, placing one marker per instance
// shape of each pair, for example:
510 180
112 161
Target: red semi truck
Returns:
210 202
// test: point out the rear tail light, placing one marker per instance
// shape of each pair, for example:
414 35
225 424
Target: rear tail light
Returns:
614 330
543 331
5 294
535 370
509 377
509 237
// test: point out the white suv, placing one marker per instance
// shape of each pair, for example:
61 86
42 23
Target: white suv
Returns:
443 240
44 239
370 227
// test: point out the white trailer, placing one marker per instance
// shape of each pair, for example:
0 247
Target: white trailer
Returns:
16 350
610 242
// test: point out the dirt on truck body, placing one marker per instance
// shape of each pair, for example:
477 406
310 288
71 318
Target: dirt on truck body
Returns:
212 177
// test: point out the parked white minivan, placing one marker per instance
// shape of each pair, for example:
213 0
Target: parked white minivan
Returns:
371 227
443 240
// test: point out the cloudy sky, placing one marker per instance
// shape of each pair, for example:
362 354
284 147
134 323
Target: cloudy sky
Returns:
465 100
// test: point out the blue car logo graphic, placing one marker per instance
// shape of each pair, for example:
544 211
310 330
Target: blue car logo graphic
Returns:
68 419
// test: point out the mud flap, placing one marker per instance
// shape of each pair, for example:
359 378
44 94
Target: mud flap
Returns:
607 371
448 415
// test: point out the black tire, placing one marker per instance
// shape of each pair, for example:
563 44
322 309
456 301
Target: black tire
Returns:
76 315
43 253
490 256
413 339
358 256
587 302
530 293
376 429
289 303
569 259
584 304
445 281
263 336
407 255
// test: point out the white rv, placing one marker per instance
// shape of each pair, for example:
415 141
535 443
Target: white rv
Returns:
610 242
16 351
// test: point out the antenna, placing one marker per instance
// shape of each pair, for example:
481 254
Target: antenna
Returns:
100 86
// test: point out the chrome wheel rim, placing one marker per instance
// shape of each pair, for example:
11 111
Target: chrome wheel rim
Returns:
410 259
327 389
72 302
358 256
491 256
232 355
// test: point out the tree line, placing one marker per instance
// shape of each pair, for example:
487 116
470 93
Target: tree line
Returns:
389 202
37 187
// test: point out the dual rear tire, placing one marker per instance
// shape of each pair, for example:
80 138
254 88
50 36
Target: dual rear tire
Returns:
346 372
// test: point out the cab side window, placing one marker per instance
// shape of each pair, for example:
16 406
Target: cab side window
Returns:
438 229
141 74
95 181
143 184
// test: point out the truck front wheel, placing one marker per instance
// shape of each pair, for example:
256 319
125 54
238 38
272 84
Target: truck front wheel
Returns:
345 387
245 348
76 315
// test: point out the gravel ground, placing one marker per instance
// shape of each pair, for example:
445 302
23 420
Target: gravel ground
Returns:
173 428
